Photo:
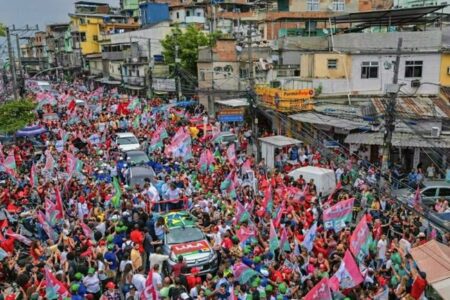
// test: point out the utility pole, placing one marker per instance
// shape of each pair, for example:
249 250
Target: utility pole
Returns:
251 98
12 63
389 116
150 68
211 98
19 58
177 74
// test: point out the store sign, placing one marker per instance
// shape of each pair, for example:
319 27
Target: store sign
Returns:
231 115
165 85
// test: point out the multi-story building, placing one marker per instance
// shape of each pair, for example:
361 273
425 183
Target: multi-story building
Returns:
56 44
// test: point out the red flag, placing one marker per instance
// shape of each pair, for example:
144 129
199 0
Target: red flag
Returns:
71 162
86 230
320 291
54 287
18 237
59 204
149 292
71 105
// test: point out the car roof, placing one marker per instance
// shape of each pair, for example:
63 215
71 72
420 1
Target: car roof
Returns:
125 134
142 172
179 219
135 152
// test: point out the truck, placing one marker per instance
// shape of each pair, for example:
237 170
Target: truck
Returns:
324 179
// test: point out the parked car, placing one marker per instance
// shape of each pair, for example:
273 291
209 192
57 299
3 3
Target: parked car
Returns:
137 175
127 141
136 158
432 191
187 240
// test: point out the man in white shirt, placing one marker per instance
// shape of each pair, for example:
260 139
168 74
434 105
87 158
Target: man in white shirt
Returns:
381 247
157 259
92 282
138 280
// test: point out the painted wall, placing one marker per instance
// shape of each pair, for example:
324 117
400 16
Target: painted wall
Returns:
316 66
445 64
91 27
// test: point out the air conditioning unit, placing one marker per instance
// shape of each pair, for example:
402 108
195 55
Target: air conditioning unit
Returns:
415 83
435 132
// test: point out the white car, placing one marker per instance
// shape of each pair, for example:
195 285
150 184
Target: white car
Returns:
127 141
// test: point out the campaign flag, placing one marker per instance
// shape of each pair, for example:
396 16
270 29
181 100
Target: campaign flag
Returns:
268 198
71 105
244 233
115 200
71 162
231 154
184 150
158 136
320 291
54 289
86 230
284 242
49 162
19 237
59 207
206 160
279 213
94 139
149 292
308 241
229 184
51 233
273 239
243 273
348 274
10 161
33 176
134 104
338 215
242 214
136 122
296 247
50 212
360 240
246 166
417 200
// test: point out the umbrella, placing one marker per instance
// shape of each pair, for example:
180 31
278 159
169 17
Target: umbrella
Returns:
30 131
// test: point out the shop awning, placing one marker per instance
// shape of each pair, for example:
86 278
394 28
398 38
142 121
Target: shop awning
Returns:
135 88
233 102
280 141
433 258
321 119
399 139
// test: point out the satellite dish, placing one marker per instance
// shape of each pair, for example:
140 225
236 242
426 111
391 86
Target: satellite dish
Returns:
238 48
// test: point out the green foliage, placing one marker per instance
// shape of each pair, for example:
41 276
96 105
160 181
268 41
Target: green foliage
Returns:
16 114
2 29
188 42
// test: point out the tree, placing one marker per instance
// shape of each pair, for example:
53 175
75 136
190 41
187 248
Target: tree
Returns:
188 43
2 29
16 114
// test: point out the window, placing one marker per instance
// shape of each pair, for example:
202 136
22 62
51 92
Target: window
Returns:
338 5
413 68
188 13
444 192
178 15
202 76
95 38
369 69
332 63
312 5
137 72
429 192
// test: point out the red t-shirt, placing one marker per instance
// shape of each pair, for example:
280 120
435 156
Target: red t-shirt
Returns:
418 287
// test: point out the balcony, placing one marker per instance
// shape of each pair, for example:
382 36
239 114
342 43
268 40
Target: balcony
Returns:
195 19
134 80
113 55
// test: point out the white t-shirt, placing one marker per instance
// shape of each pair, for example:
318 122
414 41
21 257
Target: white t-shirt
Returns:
157 259
382 246
92 283
138 280
157 280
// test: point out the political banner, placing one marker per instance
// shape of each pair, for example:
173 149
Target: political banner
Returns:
360 240
320 291
338 215
348 274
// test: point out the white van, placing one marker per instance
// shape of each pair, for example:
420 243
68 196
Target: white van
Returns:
324 179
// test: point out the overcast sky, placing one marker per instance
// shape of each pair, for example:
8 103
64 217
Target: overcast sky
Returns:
42 12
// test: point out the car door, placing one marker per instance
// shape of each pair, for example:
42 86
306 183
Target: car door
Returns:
444 192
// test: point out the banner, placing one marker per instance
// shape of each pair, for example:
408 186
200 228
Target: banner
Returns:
310 236
336 216
360 240
348 274
320 291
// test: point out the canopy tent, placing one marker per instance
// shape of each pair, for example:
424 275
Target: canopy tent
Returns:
269 144
30 131
433 258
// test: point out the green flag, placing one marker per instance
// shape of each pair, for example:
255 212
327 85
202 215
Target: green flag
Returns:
116 198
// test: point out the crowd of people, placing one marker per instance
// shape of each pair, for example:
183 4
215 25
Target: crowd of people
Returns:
67 233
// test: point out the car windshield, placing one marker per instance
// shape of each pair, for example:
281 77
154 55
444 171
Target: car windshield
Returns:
228 138
45 87
184 235
129 140
138 158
